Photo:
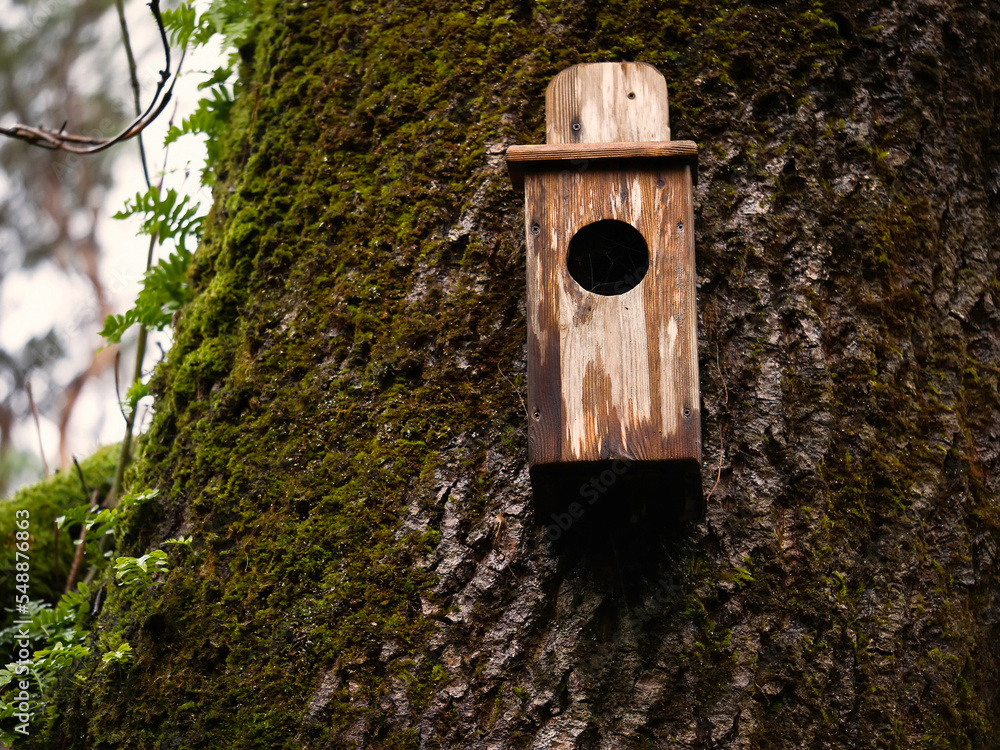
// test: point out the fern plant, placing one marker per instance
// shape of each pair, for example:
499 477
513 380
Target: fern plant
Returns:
208 119
168 216
135 574
102 523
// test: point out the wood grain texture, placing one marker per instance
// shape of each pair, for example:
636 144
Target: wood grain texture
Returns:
607 102
578 156
612 376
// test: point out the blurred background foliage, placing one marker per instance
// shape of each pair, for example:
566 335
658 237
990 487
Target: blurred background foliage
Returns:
61 61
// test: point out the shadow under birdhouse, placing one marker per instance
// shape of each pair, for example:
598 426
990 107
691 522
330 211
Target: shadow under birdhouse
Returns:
637 502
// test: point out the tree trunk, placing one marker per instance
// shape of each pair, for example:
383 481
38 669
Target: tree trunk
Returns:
341 421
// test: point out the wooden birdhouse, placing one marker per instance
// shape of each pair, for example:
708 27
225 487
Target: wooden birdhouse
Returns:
613 400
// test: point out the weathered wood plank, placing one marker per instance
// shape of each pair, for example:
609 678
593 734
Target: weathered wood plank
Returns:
578 156
555 152
612 376
607 102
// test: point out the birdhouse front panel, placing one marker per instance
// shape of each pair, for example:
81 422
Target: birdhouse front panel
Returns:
612 350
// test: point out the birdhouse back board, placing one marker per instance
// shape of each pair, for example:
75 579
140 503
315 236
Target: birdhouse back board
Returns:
612 343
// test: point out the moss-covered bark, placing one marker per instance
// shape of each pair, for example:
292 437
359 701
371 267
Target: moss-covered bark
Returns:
339 424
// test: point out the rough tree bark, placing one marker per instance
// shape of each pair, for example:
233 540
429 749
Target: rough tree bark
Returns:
340 422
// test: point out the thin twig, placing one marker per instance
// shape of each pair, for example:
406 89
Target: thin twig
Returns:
55 551
142 419
83 479
514 387
127 42
125 452
38 427
78 553
57 140
81 546
719 475
118 386
722 379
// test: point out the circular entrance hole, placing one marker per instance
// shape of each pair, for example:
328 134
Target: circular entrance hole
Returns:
608 257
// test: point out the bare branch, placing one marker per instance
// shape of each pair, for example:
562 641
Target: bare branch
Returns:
38 427
127 42
81 547
57 140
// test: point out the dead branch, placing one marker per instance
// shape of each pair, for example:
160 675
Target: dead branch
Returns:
38 427
127 43
57 140
81 546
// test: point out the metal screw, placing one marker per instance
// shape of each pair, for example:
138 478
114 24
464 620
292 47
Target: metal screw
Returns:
686 413
680 226
537 414
535 229
631 95
575 126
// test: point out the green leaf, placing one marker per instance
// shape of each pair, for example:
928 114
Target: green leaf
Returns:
60 655
121 655
136 392
165 287
209 118
220 75
180 23
135 572
164 215
116 325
